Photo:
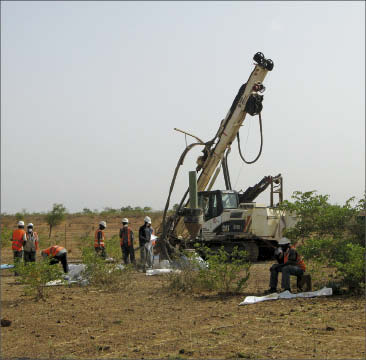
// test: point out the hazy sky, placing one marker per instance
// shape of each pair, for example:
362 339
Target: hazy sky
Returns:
91 92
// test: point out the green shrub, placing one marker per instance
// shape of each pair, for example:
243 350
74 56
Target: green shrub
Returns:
104 275
332 237
340 254
352 269
36 275
225 273
6 235
113 248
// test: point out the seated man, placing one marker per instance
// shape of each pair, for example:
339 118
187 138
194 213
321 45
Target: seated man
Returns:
55 254
289 263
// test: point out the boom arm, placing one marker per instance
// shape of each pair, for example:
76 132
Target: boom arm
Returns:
228 130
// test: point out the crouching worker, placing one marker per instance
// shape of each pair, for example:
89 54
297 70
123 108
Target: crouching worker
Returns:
126 240
99 240
56 254
289 263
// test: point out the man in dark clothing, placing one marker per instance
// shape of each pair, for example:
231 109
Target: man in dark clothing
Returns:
126 240
289 263
145 233
99 238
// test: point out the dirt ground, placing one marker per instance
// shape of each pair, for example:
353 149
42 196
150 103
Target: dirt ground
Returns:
148 322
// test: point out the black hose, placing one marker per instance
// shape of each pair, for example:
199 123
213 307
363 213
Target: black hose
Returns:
180 162
225 168
260 150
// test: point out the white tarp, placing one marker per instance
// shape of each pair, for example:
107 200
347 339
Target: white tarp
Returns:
286 295
160 271
75 275
6 266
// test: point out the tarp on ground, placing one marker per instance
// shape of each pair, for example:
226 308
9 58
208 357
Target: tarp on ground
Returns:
160 271
286 295
75 275
6 266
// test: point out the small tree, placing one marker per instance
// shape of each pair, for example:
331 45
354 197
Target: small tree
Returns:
36 275
127 208
55 216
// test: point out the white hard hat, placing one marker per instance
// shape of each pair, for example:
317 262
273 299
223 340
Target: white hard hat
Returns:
284 241
103 223
30 225
147 220
124 220
20 223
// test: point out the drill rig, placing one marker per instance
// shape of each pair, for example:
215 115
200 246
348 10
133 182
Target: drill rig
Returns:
230 218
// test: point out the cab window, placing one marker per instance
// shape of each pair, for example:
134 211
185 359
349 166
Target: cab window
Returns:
229 201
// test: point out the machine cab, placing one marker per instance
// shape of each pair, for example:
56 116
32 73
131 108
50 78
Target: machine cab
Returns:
215 202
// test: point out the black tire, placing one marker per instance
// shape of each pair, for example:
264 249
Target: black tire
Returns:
269 64
258 57
252 249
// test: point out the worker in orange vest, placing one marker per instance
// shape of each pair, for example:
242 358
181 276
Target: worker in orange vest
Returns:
99 239
31 245
18 238
126 241
289 263
56 254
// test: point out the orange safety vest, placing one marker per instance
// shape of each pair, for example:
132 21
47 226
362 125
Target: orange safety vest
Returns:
17 239
101 244
128 237
299 262
53 250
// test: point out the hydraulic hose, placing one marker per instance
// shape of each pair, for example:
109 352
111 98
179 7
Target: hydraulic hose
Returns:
260 150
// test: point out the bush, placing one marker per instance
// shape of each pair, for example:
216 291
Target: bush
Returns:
352 269
332 236
6 236
345 258
104 275
225 273
36 275
113 247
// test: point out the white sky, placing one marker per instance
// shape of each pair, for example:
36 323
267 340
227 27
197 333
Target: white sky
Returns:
91 92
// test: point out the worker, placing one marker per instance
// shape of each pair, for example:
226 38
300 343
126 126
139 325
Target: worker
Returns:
56 254
126 240
18 238
99 240
145 233
31 245
289 263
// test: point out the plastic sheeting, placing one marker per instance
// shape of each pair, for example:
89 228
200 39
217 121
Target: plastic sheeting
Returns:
75 275
287 295
160 271
6 266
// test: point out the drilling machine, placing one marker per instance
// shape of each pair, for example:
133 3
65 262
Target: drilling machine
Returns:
230 218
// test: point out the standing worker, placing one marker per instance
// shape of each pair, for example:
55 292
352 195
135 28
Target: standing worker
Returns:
56 254
289 263
99 240
18 238
145 233
126 240
31 245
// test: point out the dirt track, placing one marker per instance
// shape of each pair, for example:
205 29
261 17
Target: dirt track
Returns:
147 322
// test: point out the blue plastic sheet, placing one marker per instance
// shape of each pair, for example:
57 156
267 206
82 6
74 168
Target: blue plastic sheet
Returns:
6 266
